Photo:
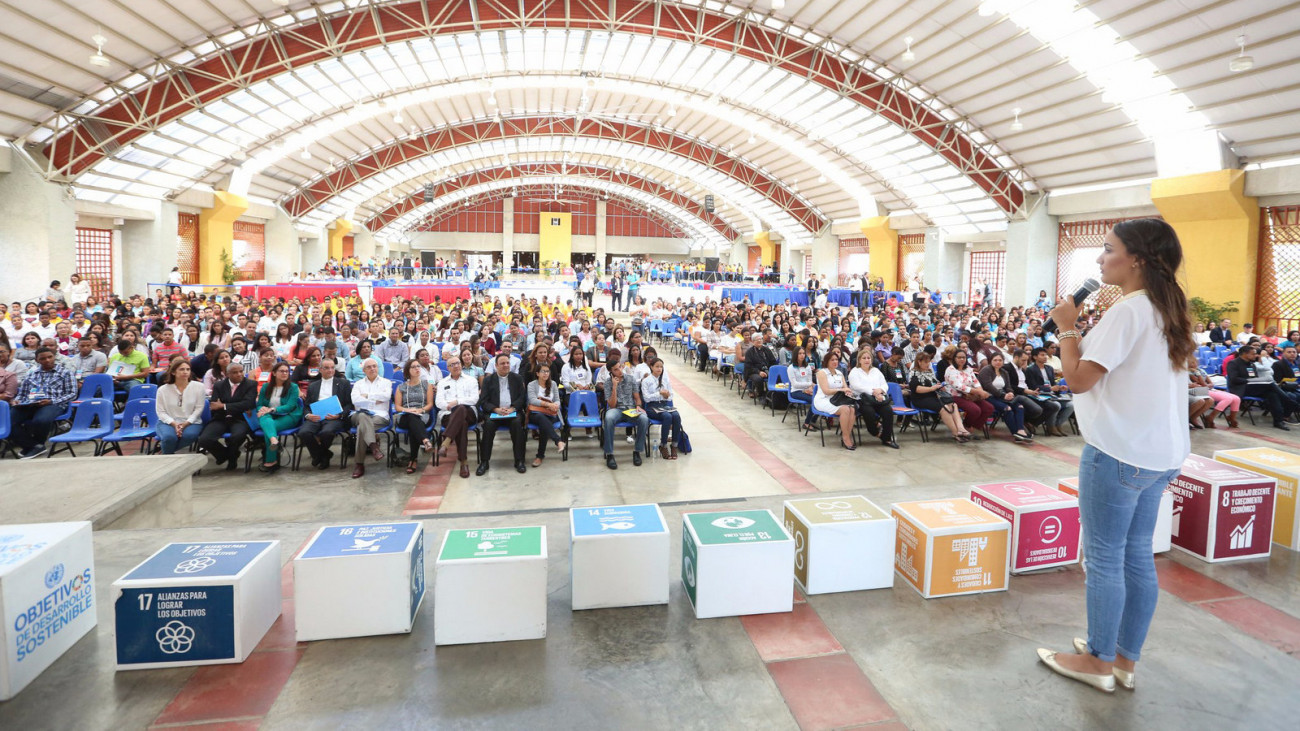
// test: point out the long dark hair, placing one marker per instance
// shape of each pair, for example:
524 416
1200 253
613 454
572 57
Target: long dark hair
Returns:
1155 244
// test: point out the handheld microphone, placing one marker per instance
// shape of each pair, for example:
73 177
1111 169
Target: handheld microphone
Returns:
1089 286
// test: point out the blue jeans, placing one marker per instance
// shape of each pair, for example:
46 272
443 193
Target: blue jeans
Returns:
614 416
1012 413
170 442
1119 504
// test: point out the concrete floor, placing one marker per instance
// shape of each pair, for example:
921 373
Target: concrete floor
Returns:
1223 649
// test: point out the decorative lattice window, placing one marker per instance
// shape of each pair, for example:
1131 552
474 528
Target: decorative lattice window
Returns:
855 257
990 267
1277 291
95 260
1077 249
248 251
187 247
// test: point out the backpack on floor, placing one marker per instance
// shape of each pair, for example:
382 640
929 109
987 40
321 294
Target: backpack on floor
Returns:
683 442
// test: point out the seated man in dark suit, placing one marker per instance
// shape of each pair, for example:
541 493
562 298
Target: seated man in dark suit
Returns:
758 359
1247 378
502 392
232 398
1041 379
1222 333
318 432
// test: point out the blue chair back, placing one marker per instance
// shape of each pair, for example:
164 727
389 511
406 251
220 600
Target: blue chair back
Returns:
142 410
4 420
896 396
207 411
96 386
581 401
776 375
142 391
390 371
87 412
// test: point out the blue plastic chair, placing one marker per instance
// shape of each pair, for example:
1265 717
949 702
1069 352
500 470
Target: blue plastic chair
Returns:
139 421
6 446
139 391
386 431
902 409
799 400
256 428
95 386
85 416
777 375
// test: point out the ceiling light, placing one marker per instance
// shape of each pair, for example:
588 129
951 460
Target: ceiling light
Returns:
98 58
908 56
1241 62
305 154
1017 125
397 117
492 98
752 139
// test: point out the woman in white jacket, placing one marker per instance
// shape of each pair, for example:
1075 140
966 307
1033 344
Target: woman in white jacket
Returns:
871 390
180 408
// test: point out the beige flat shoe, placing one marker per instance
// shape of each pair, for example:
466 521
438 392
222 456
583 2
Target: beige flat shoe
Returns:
1125 678
1105 683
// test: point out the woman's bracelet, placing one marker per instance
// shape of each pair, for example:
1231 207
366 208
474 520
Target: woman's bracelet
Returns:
1068 335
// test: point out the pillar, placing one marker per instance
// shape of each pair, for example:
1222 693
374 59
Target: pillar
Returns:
825 257
883 243
1031 257
217 234
282 247
342 227
602 239
149 248
943 262
508 232
766 251
363 243
38 220
1218 226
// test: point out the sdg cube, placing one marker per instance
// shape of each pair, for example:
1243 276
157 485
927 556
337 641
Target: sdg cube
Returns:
1045 524
489 585
47 597
618 556
737 562
359 580
196 604
1222 512
1283 467
841 544
951 547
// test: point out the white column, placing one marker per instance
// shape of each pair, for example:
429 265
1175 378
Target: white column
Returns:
826 257
943 262
283 253
602 241
507 233
38 220
1031 257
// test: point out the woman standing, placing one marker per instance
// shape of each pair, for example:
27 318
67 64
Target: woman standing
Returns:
414 402
657 395
278 408
180 408
1131 399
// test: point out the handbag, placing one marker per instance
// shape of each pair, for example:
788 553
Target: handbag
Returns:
683 442
840 399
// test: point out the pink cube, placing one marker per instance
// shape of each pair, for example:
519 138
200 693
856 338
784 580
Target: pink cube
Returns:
1222 512
1044 522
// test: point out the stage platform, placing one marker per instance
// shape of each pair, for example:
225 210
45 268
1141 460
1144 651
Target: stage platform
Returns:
110 492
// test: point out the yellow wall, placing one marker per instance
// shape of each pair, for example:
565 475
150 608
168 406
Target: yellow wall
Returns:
883 250
217 234
1218 226
766 251
342 227
556 241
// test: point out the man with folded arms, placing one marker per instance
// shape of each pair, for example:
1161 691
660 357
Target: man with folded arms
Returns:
232 398
318 430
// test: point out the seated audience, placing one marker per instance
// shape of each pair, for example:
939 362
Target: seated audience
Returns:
319 429
233 397
180 403
42 397
544 411
624 404
503 401
412 404
657 398
371 398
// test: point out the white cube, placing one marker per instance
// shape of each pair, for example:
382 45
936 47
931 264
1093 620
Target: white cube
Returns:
196 604
1161 539
737 562
489 585
47 594
841 544
618 556
359 580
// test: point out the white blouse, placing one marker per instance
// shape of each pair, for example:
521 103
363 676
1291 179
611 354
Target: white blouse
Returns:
862 382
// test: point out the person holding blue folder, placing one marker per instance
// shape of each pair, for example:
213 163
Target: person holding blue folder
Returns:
329 402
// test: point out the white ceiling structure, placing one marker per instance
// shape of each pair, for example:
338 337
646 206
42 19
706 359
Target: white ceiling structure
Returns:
841 104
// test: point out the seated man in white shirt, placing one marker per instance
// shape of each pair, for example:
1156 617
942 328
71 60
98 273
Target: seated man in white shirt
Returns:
456 398
87 360
371 397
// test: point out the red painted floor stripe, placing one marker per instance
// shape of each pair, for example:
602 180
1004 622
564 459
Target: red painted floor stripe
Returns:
829 692
238 696
789 635
792 481
1190 585
1260 621
431 488
1266 438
